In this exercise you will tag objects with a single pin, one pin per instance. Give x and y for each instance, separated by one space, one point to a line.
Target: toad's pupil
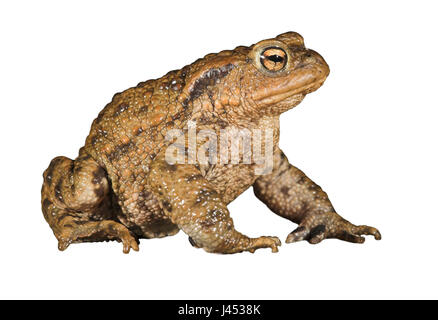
275 58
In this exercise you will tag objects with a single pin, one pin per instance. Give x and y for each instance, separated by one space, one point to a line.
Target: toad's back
131 129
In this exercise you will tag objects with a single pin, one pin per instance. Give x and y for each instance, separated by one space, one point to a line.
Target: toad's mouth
294 93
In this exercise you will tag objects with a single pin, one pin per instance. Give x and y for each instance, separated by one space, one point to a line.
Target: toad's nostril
312 59
311 56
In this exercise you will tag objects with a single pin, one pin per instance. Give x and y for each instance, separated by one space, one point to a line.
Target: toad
123 186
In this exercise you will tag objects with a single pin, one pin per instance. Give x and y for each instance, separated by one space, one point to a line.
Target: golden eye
273 59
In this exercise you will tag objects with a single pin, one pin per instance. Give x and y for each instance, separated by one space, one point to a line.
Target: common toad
123 187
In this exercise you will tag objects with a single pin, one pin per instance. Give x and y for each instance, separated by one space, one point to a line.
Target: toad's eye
273 59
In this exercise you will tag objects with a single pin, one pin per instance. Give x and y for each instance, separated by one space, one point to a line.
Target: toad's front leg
193 204
288 192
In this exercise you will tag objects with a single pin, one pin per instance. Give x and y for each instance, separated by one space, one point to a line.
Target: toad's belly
231 180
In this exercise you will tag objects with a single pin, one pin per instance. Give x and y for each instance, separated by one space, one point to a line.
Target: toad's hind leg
77 205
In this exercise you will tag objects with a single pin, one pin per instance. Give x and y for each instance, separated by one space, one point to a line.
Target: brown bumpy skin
288 192
121 187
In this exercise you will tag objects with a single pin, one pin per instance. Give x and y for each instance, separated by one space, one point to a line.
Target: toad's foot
254 244
265 242
331 226
97 231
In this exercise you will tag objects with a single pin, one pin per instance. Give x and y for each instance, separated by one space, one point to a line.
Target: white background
368 137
